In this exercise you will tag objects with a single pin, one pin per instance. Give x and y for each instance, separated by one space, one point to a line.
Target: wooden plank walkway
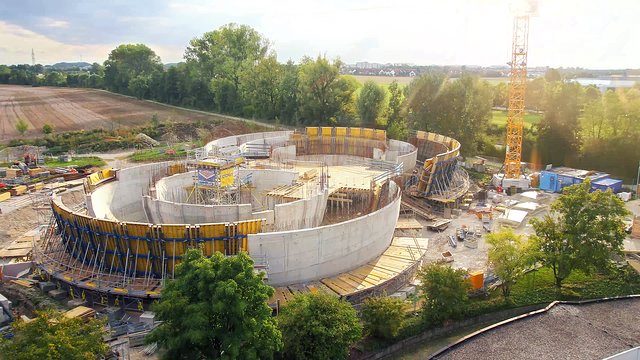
403 253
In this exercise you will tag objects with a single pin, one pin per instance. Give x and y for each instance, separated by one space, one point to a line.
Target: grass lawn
77 161
499 118
157 154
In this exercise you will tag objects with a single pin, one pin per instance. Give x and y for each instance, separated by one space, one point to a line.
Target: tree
216 308
139 86
22 127
261 88
396 99
559 131
582 232
51 335
221 56
444 291
500 95
509 256
552 75
460 108
47 129
127 62
535 94
289 94
370 103
382 317
318 326
324 94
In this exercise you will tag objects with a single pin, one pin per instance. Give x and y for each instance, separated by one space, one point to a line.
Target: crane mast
517 90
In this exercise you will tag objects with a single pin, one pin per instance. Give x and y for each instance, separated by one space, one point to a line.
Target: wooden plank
408 224
15 253
337 286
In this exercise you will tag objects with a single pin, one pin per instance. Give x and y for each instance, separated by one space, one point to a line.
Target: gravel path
592 331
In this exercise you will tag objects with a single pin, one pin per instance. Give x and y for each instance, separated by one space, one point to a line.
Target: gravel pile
592 331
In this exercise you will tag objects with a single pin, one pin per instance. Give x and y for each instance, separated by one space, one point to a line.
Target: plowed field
69 109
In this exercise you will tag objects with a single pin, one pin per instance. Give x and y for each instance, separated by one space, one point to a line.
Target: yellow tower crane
512 174
517 90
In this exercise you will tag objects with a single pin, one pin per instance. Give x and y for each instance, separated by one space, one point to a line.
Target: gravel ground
592 331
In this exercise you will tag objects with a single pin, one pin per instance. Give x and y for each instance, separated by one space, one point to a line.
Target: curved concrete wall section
122 199
311 254
169 212
237 140
173 188
301 214
143 249
402 152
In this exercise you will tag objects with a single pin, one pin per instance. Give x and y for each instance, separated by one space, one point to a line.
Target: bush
318 326
47 129
445 293
382 317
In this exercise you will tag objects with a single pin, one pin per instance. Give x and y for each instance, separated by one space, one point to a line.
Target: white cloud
47 51
53 23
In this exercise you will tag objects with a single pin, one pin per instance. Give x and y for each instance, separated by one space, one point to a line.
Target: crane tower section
517 89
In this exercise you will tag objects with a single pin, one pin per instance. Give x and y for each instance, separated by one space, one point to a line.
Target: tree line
234 70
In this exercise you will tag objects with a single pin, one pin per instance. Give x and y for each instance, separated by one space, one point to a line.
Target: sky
563 33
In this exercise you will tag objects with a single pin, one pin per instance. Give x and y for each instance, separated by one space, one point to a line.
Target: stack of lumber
81 312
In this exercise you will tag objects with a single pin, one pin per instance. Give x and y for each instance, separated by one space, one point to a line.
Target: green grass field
78 161
158 154
499 118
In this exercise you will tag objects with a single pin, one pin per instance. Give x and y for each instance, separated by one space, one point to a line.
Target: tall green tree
459 108
394 111
222 55
323 93
289 94
261 88
534 99
582 232
509 256
444 291
216 308
126 62
51 335
552 75
559 131
370 103
500 94
318 326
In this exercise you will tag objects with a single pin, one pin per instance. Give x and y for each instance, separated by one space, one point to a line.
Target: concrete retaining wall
311 254
168 212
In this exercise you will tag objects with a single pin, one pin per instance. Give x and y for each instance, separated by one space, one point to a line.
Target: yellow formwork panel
341 131
246 228
312 131
380 135
326 131
368 133
211 231
139 247
354 132
174 237
111 231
